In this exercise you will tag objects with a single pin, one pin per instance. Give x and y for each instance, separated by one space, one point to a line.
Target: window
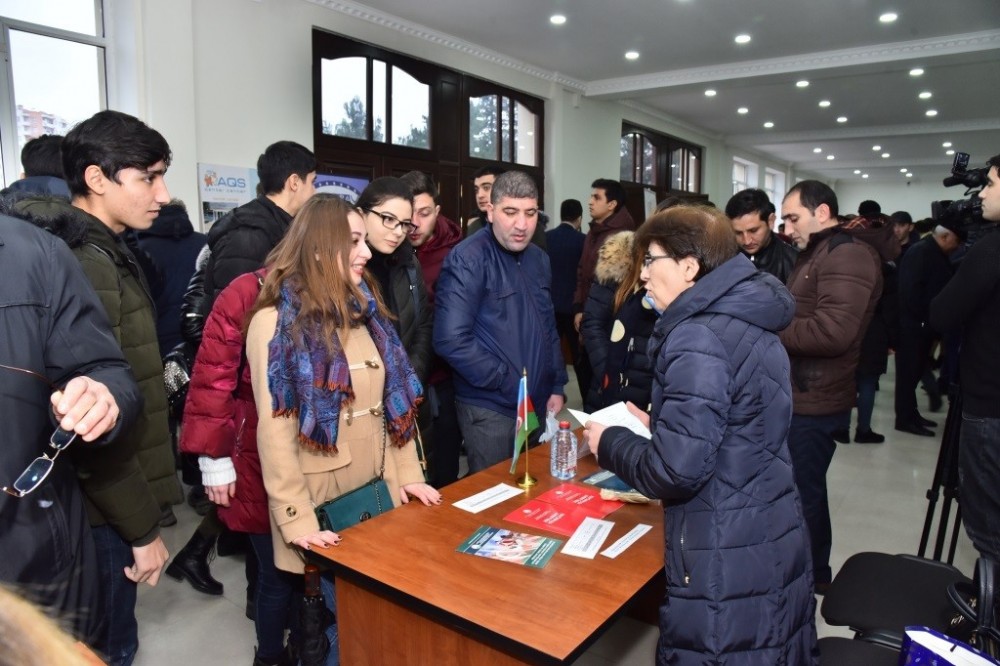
55 66
399 111
774 185
744 174
502 129
659 161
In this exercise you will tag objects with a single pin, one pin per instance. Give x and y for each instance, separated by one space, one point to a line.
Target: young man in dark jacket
46 549
752 214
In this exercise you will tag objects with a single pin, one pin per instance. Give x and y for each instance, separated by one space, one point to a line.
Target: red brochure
563 508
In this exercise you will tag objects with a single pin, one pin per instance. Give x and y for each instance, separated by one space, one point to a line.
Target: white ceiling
687 46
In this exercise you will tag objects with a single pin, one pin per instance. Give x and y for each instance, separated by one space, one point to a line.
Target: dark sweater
970 302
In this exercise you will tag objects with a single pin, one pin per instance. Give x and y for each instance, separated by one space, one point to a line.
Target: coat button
290 512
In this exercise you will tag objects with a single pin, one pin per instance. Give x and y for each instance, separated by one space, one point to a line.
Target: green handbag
358 505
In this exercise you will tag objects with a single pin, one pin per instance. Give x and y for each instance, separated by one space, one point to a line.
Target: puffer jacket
616 341
737 560
494 318
220 416
127 481
401 281
596 235
836 283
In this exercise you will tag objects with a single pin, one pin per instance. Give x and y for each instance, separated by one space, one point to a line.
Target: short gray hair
514 185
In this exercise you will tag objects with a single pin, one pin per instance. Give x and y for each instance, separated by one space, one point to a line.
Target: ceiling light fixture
916 71
903 170
925 95
949 152
876 148
631 55
842 119
885 156
930 113
768 124
888 17
802 84
710 93
857 172
742 110
742 39
824 103
817 150
557 19
909 175
946 144
829 157
864 175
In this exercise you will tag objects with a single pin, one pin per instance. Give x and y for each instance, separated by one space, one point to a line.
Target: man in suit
564 245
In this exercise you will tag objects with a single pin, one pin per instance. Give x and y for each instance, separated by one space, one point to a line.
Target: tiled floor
877 498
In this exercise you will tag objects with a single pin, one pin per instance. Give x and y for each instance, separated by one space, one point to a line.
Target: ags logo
212 179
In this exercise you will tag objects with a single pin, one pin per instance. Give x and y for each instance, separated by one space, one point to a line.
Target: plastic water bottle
562 460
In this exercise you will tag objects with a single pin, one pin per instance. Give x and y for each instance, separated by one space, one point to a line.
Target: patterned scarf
314 383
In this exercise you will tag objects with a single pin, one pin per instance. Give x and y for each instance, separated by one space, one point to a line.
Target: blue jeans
121 640
811 446
275 600
979 482
332 632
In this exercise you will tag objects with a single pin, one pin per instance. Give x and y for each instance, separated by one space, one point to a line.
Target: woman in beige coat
333 385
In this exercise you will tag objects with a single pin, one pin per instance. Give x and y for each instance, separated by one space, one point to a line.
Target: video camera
966 213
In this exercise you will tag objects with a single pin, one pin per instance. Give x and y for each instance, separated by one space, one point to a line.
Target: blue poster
347 187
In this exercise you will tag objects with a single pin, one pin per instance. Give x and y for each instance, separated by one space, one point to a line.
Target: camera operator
971 303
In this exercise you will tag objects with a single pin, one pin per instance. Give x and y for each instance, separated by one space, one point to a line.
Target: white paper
588 538
615 415
489 497
620 546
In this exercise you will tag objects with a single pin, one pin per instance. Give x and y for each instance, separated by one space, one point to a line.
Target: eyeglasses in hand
33 476
390 221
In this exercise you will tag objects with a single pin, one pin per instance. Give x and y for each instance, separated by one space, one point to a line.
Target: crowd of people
331 342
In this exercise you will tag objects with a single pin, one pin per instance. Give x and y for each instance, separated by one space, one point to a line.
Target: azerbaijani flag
527 420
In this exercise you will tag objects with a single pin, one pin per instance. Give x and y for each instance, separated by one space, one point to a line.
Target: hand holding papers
615 415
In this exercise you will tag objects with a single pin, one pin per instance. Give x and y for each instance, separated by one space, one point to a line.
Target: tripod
946 479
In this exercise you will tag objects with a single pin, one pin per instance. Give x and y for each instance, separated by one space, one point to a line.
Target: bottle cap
564 424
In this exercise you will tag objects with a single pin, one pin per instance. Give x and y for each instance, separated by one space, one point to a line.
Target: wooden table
406 596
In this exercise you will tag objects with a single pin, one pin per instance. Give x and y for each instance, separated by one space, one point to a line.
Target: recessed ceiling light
916 71
768 124
864 175
817 150
710 93
857 172
842 119
876 148
930 113
557 19
925 94
903 170
802 84
946 144
888 17
742 39
824 103
829 157
631 55
885 156
742 110
909 175
949 152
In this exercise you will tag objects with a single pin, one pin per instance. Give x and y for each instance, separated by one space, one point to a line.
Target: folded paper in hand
615 415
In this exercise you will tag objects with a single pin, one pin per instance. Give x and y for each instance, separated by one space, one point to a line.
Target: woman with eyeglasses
387 208
336 395
736 544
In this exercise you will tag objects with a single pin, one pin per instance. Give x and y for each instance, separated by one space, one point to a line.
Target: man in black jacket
54 326
752 215
241 240
970 302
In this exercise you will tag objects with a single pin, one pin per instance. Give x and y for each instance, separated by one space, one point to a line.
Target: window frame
665 145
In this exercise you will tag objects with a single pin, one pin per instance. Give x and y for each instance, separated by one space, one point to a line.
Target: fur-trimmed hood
613 258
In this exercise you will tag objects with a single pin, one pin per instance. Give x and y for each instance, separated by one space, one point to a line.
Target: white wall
914 198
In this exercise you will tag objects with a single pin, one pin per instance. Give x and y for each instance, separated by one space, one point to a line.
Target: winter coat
240 242
45 185
737 559
174 245
564 245
220 416
596 235
53 324
127 481
401 282
776 258
431 254
493 320
192 315
616 341
883 330
836 283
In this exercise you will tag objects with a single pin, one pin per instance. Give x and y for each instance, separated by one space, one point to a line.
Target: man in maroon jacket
433 236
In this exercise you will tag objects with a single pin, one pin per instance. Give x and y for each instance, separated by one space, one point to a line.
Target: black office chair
837 651
878 593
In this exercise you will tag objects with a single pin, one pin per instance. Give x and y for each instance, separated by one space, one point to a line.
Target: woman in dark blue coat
738 569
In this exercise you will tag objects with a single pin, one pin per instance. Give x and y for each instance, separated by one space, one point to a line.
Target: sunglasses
36 472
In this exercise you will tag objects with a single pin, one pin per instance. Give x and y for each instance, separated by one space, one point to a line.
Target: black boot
192 563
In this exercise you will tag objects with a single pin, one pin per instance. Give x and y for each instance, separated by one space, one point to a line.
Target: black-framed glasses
648 260
390 221
36 472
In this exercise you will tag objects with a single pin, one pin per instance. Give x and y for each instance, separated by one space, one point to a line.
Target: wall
914 198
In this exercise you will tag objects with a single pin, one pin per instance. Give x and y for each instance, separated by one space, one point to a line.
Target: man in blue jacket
495 319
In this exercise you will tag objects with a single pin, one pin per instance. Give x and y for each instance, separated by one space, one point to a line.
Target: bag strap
421 456
986 573
381 471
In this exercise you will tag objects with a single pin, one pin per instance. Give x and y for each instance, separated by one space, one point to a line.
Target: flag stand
526 481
